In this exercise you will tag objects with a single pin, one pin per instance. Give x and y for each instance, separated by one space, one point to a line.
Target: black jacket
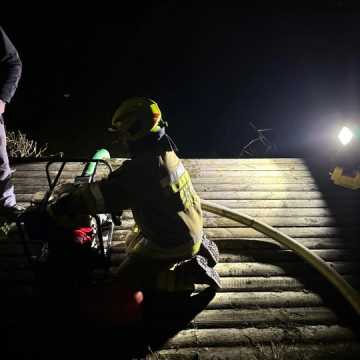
10 67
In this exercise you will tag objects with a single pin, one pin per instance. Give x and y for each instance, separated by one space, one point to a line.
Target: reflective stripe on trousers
137 244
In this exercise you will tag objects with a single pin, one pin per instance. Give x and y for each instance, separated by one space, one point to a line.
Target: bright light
345 135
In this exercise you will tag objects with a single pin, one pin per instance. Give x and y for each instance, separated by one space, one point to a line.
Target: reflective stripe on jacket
159 191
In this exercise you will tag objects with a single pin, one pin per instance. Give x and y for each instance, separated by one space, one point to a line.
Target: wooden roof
272 305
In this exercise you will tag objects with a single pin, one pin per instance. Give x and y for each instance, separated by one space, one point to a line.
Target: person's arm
86 199
110 195
10 70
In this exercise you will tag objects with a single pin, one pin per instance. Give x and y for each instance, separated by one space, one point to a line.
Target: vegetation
20 146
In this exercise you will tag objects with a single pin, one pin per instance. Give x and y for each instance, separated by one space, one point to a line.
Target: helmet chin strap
161 133
156 141
171 143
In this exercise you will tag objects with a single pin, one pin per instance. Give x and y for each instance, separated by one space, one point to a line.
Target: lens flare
345 135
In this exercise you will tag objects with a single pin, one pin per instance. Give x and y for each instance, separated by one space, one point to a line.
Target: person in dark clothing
10 73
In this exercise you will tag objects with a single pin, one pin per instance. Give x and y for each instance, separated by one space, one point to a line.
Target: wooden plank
254 282
268 195
294 232
28 188
212 222
266 243
238 180
246 162
66 174
272 283
278 203
261 213
253 210
232 251
248 317
250 173
290 231
241 179
234 166
232 195
249 336
269 255
202 162
279 269
267 212
255 262
256 243
285 212
31 181
319 351
275 212
265 204
252 299
196 173
225 270
273 221
217 164
240 166
274 204
255 187
72 166
24 198
226 244
245 232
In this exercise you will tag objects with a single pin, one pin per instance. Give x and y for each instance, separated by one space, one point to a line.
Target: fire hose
349 293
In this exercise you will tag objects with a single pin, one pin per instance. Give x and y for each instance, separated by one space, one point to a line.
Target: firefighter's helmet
137 117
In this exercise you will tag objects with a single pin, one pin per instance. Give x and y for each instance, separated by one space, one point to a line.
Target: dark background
212 69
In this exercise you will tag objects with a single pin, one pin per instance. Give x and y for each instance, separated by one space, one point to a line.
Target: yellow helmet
137 117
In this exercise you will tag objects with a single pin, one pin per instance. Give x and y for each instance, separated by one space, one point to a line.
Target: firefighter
167 246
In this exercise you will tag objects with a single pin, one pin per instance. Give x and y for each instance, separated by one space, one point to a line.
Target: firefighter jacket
158 190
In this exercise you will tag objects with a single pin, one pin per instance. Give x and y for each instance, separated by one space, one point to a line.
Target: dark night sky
212 71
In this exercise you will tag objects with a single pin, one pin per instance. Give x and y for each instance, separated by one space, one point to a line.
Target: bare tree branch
249 148
19 146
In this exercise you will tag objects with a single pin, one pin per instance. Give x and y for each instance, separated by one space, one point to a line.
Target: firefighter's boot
209 251
197 271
